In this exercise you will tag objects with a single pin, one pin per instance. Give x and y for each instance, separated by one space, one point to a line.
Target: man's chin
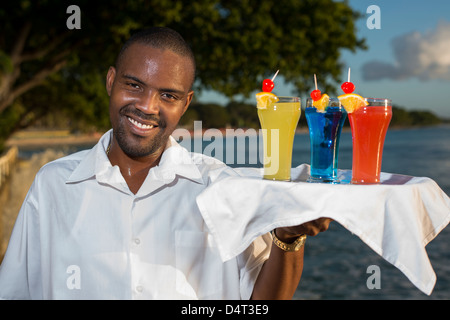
135 146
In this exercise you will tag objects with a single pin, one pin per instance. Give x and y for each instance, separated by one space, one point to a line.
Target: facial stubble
136 146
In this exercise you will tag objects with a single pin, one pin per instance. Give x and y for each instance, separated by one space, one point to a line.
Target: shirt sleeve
19 271
251 262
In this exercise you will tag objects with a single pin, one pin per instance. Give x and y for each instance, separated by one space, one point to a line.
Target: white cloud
425 56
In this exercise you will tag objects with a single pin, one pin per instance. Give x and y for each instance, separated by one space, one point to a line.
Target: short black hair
160 38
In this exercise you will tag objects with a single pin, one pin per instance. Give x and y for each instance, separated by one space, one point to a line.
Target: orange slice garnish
322 103
263 99
352 101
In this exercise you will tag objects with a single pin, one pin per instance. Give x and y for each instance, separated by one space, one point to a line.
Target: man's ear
110 79
188 100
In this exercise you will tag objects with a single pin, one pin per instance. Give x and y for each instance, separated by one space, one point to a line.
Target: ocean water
336 261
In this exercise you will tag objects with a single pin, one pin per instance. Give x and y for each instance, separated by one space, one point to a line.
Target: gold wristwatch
294 246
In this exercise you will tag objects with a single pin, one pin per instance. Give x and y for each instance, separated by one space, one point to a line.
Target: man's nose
149 103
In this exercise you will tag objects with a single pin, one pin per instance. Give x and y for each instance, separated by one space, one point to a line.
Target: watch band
294 246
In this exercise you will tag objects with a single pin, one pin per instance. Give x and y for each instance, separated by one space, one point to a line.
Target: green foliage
249 40
8 120
401 117
5 63
243 115
424 118
211 115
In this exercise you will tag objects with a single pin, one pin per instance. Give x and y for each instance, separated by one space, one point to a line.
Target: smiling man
149 89
120 221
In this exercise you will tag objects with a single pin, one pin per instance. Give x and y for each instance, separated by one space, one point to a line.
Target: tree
211 115
424 118
400 117
243 115
45 66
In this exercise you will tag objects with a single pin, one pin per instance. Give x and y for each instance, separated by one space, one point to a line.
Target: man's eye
169 96
133 85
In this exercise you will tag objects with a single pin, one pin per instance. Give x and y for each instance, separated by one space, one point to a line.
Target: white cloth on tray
396 218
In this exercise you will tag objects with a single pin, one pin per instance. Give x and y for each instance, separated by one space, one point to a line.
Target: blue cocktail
324 133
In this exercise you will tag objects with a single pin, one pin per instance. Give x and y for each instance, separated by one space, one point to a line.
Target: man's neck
134 170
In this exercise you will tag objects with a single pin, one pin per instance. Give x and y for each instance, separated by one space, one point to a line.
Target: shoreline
51 138
29 138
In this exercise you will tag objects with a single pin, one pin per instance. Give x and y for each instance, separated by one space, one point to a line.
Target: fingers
311 228
324 223
317 226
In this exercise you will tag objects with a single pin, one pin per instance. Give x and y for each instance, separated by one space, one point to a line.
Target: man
120 221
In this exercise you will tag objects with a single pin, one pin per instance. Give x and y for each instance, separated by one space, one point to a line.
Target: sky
408 55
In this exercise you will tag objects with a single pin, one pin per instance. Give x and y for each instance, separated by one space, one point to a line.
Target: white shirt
82 234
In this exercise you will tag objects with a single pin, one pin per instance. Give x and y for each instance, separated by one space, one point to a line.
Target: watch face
299 242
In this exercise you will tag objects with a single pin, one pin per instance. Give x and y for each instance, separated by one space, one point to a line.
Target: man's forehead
149 60
143 52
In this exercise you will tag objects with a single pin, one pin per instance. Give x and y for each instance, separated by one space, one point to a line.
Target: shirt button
137 241
139 289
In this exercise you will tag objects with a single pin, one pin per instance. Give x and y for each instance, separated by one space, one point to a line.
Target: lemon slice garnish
322 103
352 101
263 99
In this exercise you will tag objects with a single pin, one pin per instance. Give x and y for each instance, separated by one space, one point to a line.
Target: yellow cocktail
278 122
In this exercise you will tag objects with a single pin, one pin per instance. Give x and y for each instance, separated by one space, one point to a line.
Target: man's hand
311 228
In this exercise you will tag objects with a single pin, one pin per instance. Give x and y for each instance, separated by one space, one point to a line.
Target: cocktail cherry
268 84
348 87
315 94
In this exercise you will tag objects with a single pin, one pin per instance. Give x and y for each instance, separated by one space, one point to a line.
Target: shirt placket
137 285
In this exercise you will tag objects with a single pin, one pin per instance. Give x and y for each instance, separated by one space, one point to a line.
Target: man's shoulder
63 166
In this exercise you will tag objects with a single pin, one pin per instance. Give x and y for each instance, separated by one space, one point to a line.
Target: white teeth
140 125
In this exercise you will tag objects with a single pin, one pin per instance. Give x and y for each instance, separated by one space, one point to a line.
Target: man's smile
141 125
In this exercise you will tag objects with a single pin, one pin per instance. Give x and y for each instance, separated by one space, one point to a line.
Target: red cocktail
369 125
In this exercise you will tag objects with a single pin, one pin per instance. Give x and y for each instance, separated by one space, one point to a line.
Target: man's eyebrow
169 90
127 76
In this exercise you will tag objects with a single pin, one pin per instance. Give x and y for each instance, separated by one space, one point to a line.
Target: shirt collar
175 161
94 162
